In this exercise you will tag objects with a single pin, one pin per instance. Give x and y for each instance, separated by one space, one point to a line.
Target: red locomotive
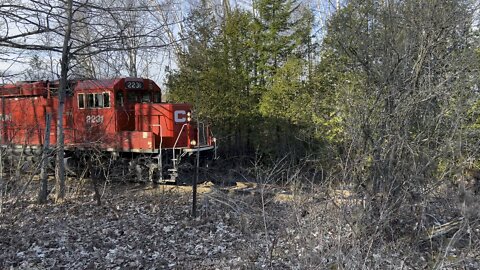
124 118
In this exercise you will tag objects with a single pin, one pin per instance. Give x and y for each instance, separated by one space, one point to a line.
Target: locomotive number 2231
94 119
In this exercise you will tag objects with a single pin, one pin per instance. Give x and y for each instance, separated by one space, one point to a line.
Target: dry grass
247 226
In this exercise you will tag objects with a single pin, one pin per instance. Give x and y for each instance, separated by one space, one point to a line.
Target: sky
14 70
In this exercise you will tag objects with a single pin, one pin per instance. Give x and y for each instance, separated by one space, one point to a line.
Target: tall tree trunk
132 63
42 195
2 186
60 181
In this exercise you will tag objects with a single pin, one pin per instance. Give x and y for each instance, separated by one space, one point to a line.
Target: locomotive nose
170 123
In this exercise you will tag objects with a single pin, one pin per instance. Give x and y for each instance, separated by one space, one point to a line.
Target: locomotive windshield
143 97
138 97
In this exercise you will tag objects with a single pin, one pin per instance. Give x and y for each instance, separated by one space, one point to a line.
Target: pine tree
234 63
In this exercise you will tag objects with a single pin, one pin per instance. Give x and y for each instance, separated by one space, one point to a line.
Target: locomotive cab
139 108
164 128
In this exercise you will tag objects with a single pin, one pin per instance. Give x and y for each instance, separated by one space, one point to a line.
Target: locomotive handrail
214 145
174 158
159 160
203 133
161 137
178 137
160 169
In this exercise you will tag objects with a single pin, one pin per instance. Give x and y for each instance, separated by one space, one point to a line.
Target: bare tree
60 183
405 111
84 31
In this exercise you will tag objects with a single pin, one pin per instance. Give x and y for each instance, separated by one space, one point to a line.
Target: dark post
197 163
195 180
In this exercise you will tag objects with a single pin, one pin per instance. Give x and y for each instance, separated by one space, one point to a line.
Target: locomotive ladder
159 157
174 170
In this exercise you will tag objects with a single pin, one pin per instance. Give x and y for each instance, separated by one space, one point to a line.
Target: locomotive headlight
189 116
193 142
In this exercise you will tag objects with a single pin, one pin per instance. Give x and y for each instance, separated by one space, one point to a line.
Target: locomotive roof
105 83
89 84
29 88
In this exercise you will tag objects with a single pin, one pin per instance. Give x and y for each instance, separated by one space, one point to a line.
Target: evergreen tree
216 66
241 68
281 30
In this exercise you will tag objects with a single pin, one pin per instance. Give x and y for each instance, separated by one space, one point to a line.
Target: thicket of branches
406 118
386 98
385 104
82 39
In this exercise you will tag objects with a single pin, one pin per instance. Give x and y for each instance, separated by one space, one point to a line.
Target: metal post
195 180
197 163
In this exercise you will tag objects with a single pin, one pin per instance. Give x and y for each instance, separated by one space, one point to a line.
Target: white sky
322 10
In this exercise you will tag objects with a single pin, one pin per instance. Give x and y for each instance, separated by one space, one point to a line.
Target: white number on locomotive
134 85
94 119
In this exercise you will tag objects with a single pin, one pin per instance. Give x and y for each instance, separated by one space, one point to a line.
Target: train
124 119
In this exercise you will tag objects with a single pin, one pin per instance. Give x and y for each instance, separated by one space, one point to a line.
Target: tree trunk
2 128
42 195
60 181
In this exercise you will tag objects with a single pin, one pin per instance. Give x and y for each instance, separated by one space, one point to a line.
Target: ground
247 226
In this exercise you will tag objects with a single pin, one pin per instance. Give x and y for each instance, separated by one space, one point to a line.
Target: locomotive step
167 181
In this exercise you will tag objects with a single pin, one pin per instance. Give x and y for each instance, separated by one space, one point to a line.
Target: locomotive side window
81 101
106 100
100 100
90 101
119 99
157 97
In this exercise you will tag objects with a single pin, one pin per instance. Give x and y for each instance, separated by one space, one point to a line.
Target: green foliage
288 98
238 71
281 30
411 68
333 82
